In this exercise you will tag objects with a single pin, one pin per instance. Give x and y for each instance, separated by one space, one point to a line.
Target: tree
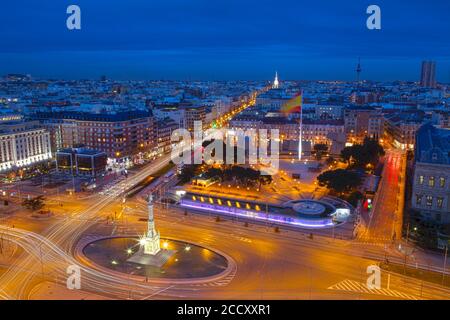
320 149
188 172
354 197
339 180
265 179
243 175
329 161
346 154
34 204
214 172
364 155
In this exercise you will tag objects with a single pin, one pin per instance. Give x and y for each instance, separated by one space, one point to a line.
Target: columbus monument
150 252
151 241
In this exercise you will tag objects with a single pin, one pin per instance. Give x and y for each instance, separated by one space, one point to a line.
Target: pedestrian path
359 287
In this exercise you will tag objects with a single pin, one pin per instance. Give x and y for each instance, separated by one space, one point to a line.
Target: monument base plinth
157 260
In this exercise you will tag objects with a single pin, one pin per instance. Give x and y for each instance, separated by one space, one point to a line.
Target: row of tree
363 156
243 175
339 180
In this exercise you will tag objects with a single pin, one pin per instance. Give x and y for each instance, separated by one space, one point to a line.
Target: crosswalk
240 238
369 243
359 287
219 283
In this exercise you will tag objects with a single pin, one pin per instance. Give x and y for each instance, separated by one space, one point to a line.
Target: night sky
224 39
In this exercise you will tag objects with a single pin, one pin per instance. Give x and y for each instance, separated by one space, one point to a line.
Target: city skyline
227 41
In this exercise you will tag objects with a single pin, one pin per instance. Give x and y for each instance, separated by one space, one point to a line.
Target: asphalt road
387 214
270 265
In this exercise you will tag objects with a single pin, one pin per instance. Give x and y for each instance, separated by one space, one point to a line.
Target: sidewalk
421 258
52 291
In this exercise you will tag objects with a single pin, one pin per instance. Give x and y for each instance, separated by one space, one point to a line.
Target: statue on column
152 245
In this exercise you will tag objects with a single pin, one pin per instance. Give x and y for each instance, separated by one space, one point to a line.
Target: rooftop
86 116
81 151
433 145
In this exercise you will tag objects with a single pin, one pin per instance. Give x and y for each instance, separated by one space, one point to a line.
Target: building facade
362 122
401 128
119 135
192 114
81 162
164 129
428 74
23 144
319 131
327 112
431 182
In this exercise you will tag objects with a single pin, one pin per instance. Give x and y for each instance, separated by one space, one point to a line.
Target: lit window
440 202
420 179
429 201
442 182
418 199
431 182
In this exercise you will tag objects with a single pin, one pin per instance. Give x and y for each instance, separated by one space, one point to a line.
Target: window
431 182
442 182
420 179
440 201
429 201
418 199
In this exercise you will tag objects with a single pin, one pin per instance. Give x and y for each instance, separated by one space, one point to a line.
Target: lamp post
445 264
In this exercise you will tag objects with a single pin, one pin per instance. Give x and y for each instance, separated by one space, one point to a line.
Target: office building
23 144
81 162
428 74
431 181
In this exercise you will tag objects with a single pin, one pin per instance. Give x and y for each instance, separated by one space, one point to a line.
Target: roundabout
188 261
153 259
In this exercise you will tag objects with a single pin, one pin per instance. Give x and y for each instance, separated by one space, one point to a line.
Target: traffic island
176 260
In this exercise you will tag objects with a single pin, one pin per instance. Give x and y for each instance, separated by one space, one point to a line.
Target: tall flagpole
300 147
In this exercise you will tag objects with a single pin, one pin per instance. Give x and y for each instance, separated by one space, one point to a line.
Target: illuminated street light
142 241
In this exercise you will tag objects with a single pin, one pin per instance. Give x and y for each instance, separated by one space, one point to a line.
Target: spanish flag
293 105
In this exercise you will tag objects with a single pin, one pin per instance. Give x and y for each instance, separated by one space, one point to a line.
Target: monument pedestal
150 253
156 260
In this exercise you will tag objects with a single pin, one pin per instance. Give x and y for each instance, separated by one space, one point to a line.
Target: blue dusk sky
224 39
